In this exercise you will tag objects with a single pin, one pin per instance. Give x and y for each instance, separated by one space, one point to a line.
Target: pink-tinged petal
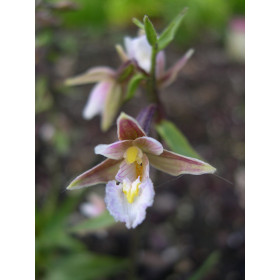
146 168
129 128
132 214
148 145
134 170
127 171
172 73
96 100
115 150
102 173
111 107
94 208
93 75
175 164
160 64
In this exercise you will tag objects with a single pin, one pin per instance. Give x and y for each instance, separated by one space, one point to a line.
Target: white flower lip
132 214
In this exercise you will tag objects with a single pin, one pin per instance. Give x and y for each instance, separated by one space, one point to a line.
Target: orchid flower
94 207
105 97
139 49
129 189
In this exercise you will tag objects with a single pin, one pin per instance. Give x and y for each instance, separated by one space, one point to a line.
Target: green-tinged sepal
169 32
150 31
101 173
176 164
123 56
112 105
93 75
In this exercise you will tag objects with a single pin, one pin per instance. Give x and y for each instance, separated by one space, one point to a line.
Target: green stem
152 84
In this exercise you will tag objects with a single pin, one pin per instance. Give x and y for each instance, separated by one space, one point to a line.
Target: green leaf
175 140
132 86
150 31
169 32
57 239
85 266
138 23
51 222
101 222
206 267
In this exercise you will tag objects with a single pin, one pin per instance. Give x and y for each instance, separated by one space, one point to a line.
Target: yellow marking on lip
131 191
133 154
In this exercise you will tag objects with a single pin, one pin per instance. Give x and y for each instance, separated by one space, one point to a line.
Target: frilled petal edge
132 214
128 128
175 164
102 173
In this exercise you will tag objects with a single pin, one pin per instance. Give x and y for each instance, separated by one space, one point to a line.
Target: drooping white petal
140 50
128 43
96 99
132 214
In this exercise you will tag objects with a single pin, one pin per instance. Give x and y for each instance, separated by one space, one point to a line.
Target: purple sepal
145 117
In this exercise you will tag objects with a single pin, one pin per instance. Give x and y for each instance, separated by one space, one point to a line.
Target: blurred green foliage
101 222
61 256
204 270
85 266
44 99
202 14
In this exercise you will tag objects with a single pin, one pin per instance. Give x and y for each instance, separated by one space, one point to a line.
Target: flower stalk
126 171
152 89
